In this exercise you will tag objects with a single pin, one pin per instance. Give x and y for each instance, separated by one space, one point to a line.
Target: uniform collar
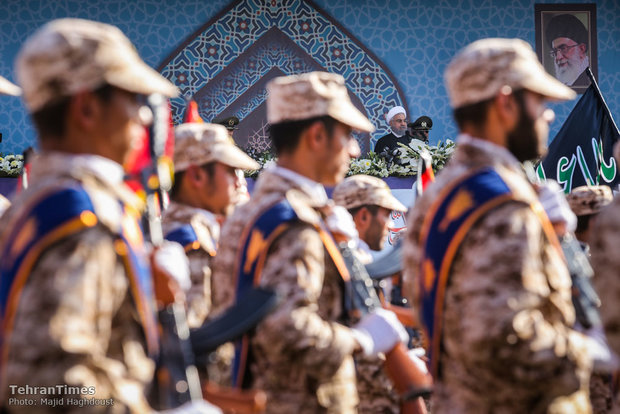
105 169
315 190
500 153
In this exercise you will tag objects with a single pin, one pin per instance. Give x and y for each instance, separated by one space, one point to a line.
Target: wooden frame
586 14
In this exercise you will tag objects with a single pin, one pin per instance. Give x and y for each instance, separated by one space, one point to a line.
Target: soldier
603 239
205 185
482 262
205 163
230 123
243 196
7 88
77 295
419 128
370 202
301 354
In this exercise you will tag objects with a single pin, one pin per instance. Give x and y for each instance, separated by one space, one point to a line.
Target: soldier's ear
84 110
195 175
315 135
506 108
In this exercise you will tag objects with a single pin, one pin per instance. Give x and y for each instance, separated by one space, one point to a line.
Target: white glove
554 202
170 257
603 360
195 407
340 221
379 331
415 355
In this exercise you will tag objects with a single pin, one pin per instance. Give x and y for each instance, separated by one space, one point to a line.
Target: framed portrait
566 42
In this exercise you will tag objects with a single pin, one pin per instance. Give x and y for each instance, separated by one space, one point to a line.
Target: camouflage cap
585 199
198 144
359 190
313 94
67 56
8 88
483 68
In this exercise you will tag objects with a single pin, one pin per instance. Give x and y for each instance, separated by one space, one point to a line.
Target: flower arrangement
404 163
11 165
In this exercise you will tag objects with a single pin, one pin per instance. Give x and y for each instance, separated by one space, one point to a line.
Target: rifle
240 318
180 373
585 299
182 349
360 298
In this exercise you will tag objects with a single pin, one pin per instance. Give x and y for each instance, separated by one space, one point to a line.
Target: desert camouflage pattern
310 95
376 393
360 189
67 56
76 322
302 350
601 395
481 69
586 199
508 346
201 143
207 230
605 260
375 390
198 296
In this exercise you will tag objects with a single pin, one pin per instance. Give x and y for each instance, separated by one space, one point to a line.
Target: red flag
140 157
191 113
425 171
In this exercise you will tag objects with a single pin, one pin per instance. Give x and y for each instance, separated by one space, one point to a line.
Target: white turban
395 111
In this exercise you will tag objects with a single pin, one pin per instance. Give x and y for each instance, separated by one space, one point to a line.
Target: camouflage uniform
198 144
198 297
507 345
587 201
604 238
76 322
376 392
208 232
302 352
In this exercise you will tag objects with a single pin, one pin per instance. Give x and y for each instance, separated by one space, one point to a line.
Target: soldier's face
528 140
378 229
340 148
220 189
122 123
399 124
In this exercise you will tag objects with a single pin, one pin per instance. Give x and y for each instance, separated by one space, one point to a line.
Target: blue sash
449 219
255 242
185 236
56 216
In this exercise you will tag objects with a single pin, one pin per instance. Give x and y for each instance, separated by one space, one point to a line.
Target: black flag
582 152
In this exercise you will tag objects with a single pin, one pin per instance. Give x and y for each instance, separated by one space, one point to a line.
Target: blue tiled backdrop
412 40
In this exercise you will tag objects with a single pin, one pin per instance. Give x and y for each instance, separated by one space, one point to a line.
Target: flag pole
600 95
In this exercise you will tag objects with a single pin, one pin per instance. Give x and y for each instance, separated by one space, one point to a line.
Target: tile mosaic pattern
414 39
300 39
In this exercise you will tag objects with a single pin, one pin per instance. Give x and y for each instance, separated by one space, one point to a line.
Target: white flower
417 145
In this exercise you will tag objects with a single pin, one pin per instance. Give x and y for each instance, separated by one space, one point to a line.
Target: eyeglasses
563 49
